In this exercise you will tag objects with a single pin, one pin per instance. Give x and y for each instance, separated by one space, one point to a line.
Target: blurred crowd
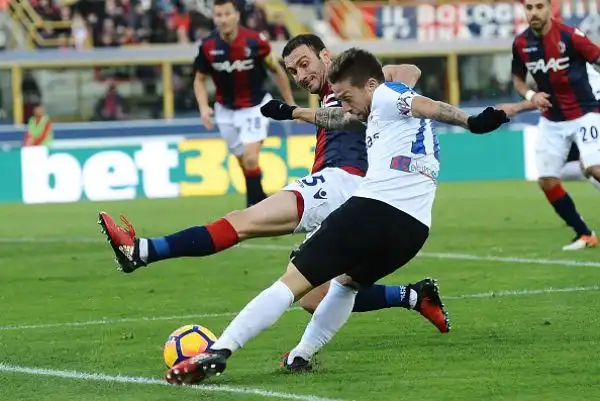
110 23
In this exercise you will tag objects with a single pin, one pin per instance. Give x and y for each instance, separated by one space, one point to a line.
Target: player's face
355 99
226 18
537 13
307 68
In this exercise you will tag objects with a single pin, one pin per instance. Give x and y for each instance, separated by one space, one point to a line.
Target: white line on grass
491 294
100 377
287 248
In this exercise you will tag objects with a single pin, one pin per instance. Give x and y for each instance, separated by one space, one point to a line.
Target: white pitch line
288 248
100 377
508 293
491 294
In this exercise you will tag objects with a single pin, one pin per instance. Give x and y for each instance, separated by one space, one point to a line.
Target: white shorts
242 126
323 192
555 138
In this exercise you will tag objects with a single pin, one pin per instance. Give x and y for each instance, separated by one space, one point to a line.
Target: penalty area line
101 377
481 295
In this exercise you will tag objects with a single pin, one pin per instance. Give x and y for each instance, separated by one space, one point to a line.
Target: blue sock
193 241
379 297
565 207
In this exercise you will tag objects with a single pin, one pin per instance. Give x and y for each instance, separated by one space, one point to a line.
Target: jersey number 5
418 145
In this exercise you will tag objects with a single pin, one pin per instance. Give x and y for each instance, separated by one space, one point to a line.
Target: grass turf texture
55 268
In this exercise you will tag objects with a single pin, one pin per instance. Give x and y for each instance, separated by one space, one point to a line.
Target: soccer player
378 230
573 169
238 59
556 56
340 165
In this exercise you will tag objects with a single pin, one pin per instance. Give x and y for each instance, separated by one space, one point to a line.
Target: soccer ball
186 342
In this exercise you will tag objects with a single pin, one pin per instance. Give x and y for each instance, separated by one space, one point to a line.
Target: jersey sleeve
201 63
265 53
399 96
519 68
584 46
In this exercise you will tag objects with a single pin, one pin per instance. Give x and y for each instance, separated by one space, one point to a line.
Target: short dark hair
357 64
223 2
308 39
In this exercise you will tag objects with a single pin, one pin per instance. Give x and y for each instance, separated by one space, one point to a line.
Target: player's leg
551 152
326 258
377 260
254 128
276 215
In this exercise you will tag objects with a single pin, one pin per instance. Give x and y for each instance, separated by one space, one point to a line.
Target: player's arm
519 74
201 69
409 103
512 109
406 73
279 75
333 118
584 46
328 117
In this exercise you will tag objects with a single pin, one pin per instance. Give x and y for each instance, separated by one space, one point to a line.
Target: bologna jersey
238 69
557 61
345 150
403 154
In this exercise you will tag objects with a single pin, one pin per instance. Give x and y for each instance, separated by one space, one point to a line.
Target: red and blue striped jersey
238 68
345 150
557 62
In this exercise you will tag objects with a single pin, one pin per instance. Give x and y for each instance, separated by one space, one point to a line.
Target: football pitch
524 314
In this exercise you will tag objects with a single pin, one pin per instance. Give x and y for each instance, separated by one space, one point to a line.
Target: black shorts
573 153
364 238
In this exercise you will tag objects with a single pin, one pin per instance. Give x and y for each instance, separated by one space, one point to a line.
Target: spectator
39 128
278 30
112 106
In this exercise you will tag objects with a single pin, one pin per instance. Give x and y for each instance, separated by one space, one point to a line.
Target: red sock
223 234
555 193
253 173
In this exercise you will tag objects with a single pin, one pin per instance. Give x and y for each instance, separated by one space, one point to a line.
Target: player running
556 55
340 165
237 59
378 230
573 169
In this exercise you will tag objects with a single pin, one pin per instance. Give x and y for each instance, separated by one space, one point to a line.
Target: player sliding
556 56
378 230
339 167
237 59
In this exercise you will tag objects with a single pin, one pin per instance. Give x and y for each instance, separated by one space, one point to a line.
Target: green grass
519 347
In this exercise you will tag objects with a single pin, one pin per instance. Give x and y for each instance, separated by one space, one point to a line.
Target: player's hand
277 110
206 116
487 121
540 100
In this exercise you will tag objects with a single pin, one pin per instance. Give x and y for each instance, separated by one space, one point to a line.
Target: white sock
571 171
594 182
143 248
331 314
260 314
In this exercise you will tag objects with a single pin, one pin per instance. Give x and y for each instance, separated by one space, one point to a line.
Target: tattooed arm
329 117
423 107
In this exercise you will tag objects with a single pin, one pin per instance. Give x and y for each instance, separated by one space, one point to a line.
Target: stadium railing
25 16
426 54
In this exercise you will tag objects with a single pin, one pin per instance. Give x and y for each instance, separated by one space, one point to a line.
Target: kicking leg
276 215
258 315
